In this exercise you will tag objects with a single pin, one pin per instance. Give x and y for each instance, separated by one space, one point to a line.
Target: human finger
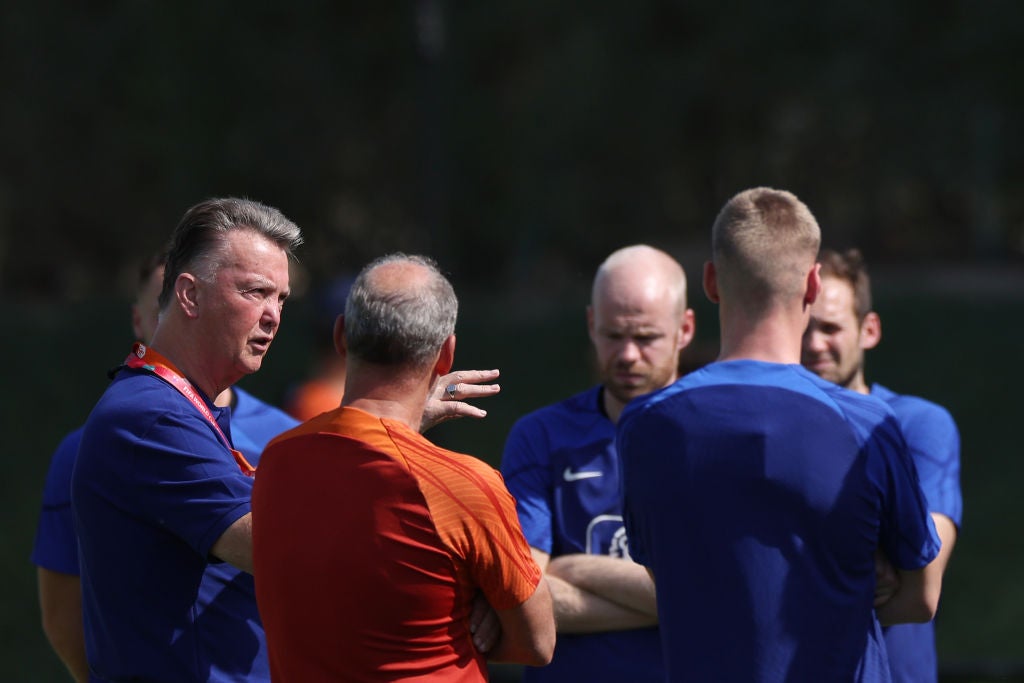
468 384
484 624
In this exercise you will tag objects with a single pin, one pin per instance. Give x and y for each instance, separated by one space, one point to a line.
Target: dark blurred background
519 143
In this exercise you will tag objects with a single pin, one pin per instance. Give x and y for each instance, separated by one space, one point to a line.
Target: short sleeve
526 469
908 534
187 481
56 546
502 566
934 442
634 531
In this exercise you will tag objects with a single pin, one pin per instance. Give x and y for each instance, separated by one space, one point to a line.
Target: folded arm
914 594
593 593
235 545
527 631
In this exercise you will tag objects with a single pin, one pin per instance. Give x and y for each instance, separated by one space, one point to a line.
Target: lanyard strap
142 358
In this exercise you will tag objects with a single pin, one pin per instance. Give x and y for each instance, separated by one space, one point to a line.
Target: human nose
630 351
272 313
815 341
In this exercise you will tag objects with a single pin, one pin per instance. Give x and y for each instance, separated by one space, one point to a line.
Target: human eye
647 338
255 292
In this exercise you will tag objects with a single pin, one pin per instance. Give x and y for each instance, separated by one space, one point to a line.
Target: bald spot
635 275
399 277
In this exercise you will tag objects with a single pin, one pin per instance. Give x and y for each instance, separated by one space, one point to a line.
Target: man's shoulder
723 380
137 392
581 405
67 449
561 423
909 407
249 409
140 409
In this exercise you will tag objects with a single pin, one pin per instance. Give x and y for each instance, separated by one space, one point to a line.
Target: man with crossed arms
561 464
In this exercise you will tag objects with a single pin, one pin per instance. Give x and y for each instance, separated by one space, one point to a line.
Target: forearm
917 596
527 634
60 601
580 611
235 545
615 580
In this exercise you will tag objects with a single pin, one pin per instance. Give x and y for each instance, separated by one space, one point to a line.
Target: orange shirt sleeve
475 515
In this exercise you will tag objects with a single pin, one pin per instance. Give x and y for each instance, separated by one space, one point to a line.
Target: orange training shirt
369 545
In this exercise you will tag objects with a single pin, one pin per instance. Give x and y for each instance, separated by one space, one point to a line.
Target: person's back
376 551
409 552
777 493
758 494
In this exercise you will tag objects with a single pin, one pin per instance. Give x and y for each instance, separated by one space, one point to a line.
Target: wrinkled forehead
250 250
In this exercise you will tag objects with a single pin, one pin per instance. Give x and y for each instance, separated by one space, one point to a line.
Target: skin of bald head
764 242
638 322
397 336
399 312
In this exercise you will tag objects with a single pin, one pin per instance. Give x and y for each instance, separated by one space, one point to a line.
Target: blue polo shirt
934 443
758 493
561 465
153 488
253 424
56 547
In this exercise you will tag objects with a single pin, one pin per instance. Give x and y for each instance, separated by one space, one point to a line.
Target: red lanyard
142 358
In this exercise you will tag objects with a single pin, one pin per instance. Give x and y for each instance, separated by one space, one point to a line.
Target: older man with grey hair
372 545
160 495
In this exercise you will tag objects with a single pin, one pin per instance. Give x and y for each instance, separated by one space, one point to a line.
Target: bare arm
60 602
916 597
578 610
235 545
469 384
527 630
621 581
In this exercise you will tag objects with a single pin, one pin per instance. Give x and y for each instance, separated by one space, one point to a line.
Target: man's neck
190 362
613 407
858 384
774 336
387 392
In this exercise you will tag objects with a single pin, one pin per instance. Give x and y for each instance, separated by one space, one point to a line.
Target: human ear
870 331
710 282
186 293
339 336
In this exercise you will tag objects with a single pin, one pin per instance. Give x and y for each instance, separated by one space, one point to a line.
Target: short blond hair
764 242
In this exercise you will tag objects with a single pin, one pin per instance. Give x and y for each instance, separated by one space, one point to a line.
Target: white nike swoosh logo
576 476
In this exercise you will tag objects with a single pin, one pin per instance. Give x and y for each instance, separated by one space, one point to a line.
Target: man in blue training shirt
253 424
842 327
561 465
757 493
160 495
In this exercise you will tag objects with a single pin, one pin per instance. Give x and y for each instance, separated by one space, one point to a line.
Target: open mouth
261 345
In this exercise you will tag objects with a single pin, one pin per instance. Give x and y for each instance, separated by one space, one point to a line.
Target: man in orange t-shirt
371 544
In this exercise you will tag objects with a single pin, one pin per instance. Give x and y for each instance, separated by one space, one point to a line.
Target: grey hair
196 241
401 324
